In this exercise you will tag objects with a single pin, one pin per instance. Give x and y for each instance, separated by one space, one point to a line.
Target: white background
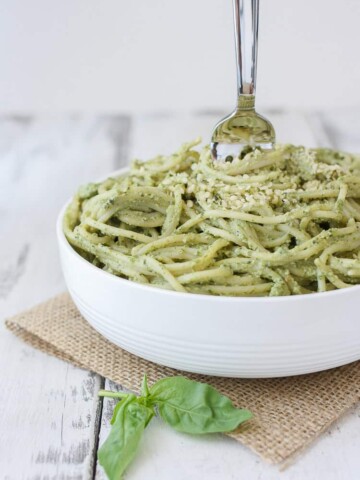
145 55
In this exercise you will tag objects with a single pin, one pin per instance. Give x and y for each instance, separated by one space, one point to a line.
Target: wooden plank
49 411
49 416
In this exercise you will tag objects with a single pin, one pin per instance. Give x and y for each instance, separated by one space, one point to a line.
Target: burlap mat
289 412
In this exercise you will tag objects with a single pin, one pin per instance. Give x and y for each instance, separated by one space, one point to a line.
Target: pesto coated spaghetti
283 222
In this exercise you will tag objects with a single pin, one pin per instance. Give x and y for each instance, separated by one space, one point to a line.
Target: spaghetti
282 222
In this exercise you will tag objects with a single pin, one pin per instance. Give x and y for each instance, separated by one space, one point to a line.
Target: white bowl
224 336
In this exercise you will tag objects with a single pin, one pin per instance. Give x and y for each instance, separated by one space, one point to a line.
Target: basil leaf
194 407
121 445
115 412
144 387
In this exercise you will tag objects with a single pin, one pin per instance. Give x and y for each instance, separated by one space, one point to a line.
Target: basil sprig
186 405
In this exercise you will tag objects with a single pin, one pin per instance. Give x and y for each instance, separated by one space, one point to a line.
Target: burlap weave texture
289 412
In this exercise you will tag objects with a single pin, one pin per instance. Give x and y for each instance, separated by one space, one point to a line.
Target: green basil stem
106 393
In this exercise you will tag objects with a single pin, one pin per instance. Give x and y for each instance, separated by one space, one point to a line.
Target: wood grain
49 411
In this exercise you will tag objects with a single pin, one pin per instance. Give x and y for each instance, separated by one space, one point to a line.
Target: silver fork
243 129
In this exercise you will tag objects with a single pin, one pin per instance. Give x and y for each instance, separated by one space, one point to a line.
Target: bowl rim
63 243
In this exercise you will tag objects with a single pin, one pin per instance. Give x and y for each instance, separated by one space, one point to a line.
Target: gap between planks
120 129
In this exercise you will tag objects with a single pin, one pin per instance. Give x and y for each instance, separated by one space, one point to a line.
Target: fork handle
246 21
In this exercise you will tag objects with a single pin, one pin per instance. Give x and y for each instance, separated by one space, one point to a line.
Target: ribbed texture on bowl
242 361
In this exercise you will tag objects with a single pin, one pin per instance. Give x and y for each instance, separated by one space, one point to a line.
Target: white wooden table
51 420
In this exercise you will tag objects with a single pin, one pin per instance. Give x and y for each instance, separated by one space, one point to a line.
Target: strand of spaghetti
105 186
317 214
277 242
192 222
303 270
117 232
181 239
220 233
248 163
246 166
278 259
113 201
339 204
350 178
315 194
354 208
205 275
173 214
137 218
344 246
294 286
153 233
201 262
72 215
230 290
164 165
330 275
295 232
261 178
254 267
178 253
303 251
284 218
93 237
244 280
321 280
120 248
345 266
116 260
247 234
158 268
